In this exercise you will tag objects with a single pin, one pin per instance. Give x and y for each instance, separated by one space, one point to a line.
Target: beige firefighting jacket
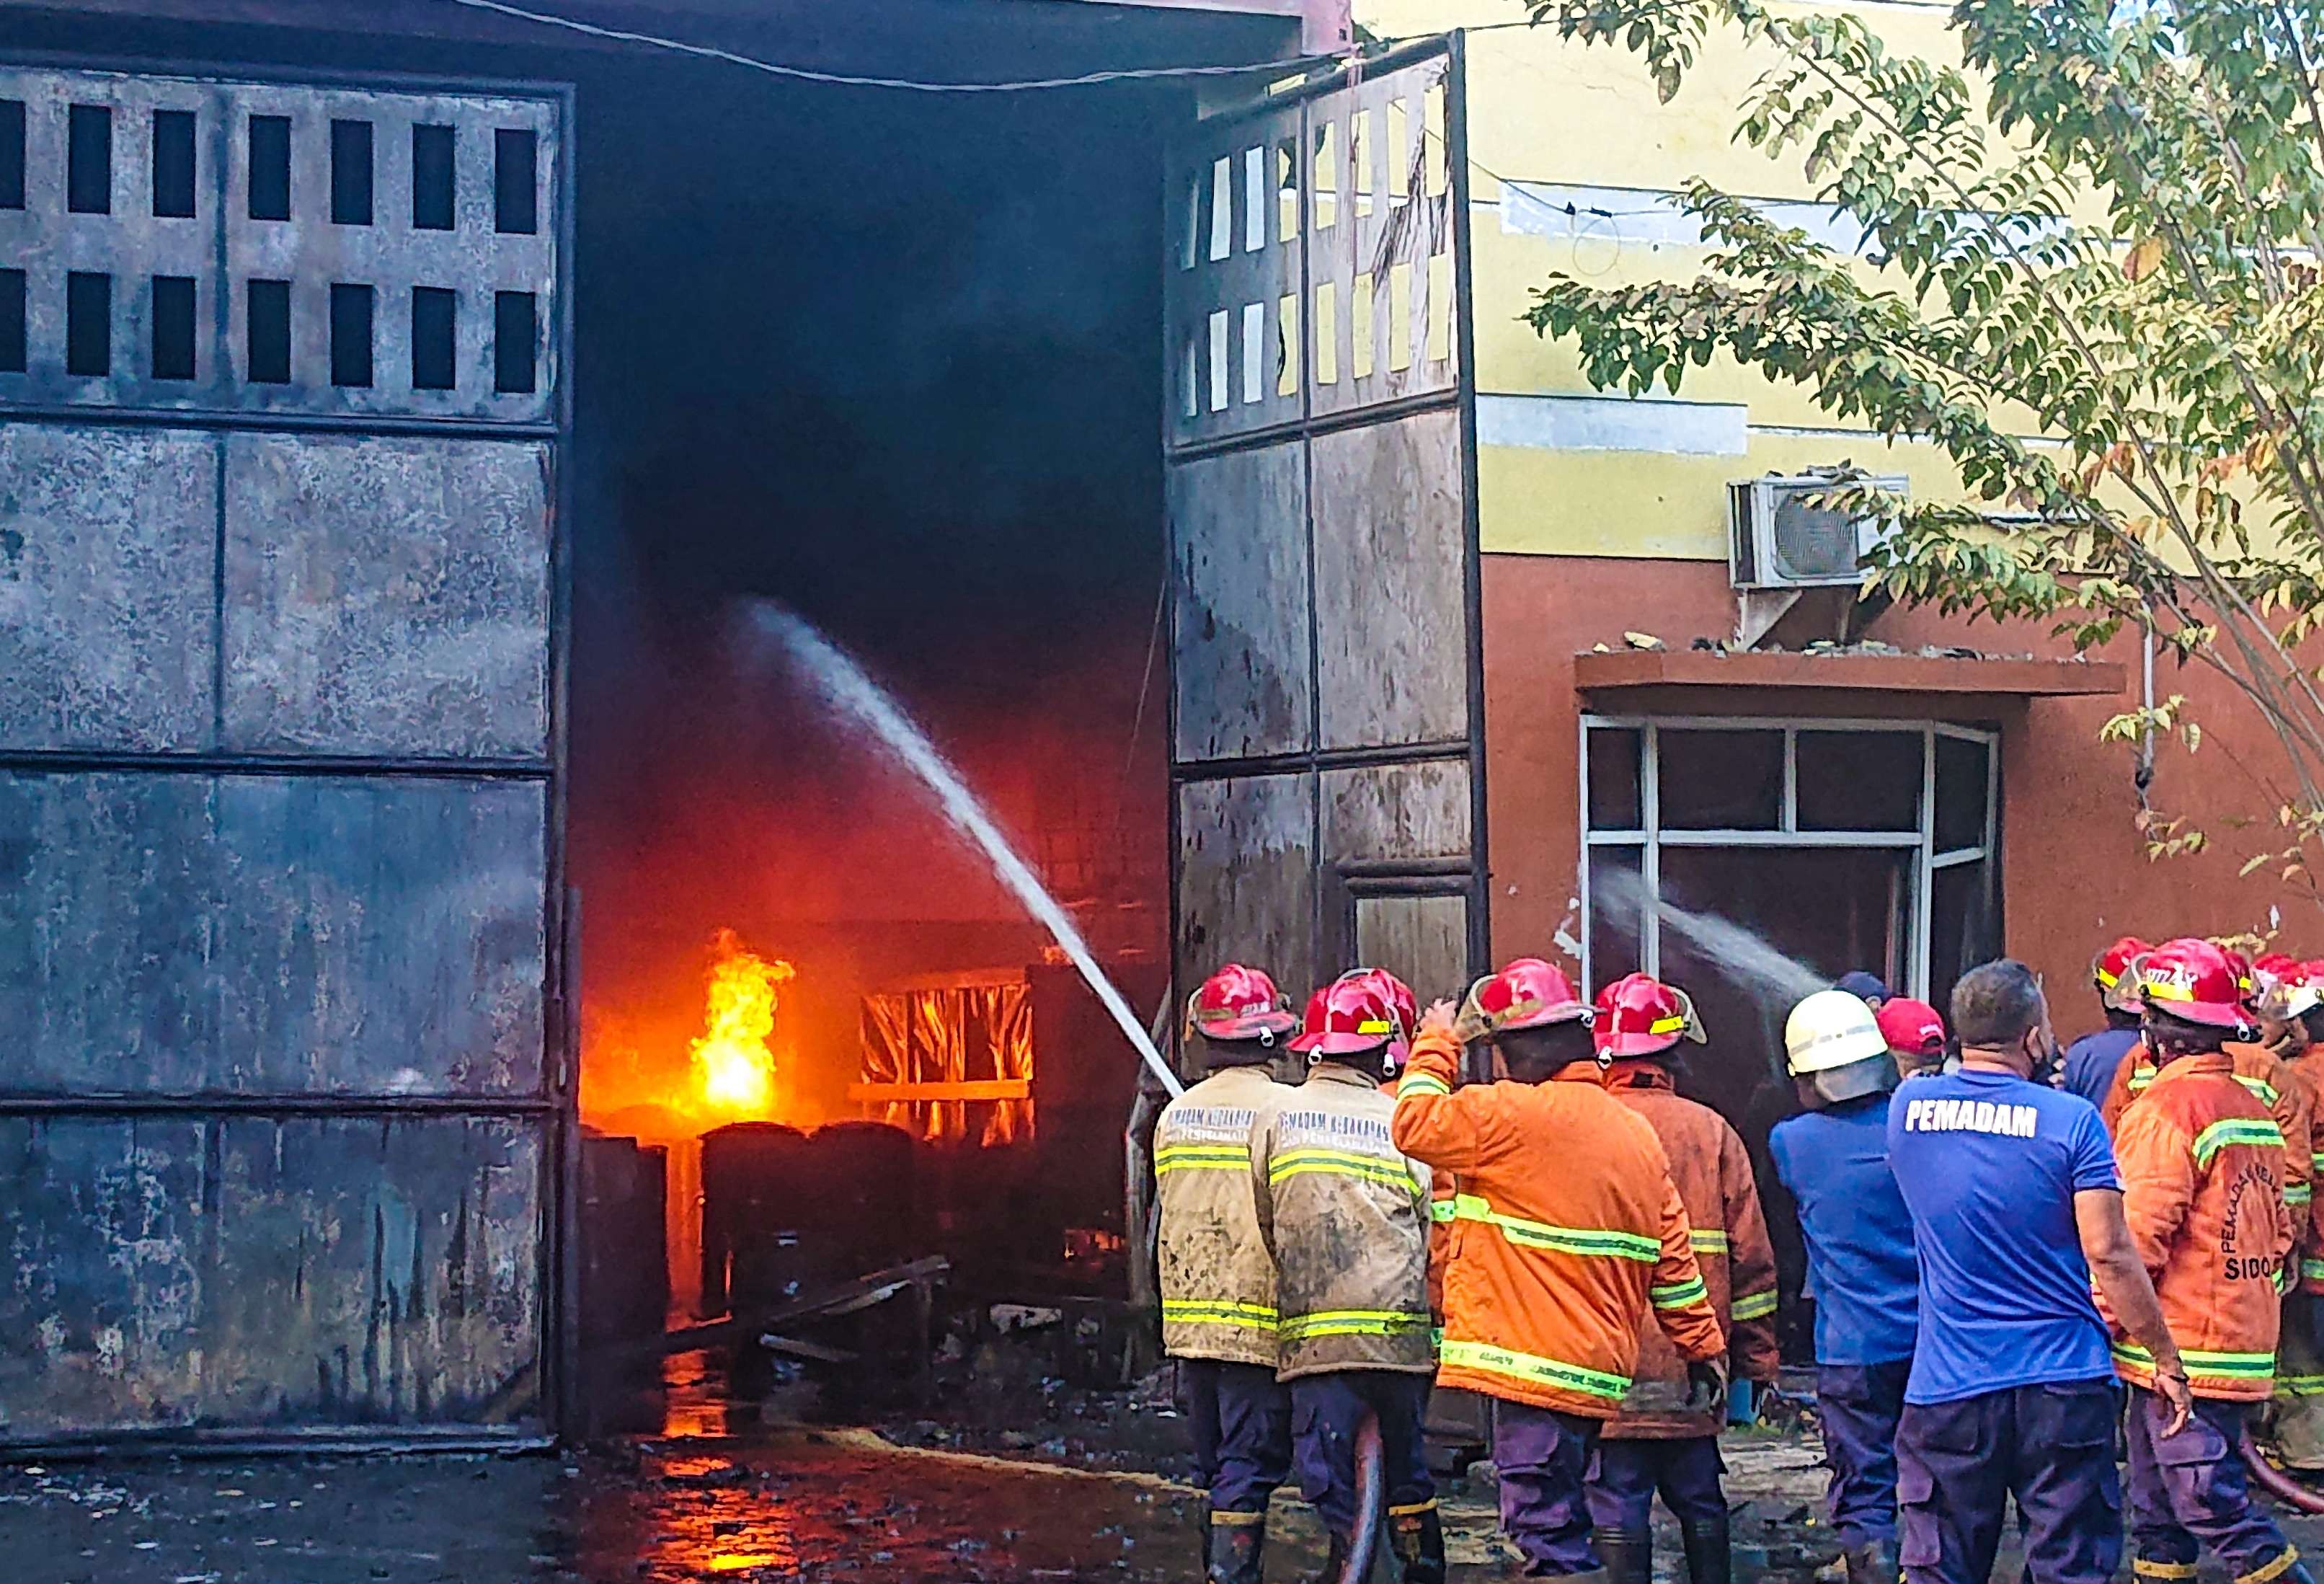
1346 1216
1216 1275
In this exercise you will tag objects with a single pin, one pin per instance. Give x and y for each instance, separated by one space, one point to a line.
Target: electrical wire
850 79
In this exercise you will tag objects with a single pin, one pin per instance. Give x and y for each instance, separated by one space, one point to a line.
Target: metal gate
284 1090
1327 726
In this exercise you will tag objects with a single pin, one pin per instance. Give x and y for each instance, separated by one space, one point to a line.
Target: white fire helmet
1833 1043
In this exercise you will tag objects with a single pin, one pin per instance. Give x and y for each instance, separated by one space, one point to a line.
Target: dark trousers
1241 1416
1327 1411
1625 1475
2190 1491
1858 1405
1542 1458
2051 1447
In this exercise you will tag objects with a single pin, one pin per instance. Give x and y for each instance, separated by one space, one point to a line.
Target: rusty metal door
1327 700
284 1084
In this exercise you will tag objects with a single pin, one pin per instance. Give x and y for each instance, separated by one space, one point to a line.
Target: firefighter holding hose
1345 1215
1568 1234
2201 1164
1216 1277
1660 1441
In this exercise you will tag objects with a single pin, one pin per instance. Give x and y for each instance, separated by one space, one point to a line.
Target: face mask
2049 1062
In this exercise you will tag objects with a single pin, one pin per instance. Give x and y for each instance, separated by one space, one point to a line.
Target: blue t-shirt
2092 1061
1990 1165
1861 1272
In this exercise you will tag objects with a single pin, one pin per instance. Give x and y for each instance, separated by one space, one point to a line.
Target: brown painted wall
2075 873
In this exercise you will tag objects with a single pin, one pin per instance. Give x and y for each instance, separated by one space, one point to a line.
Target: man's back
1988 1165
1862 1271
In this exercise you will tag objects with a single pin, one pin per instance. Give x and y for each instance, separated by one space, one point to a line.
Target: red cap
1238 1003
2192 980
1640 1016
1912 1028
1353 1013
1529 993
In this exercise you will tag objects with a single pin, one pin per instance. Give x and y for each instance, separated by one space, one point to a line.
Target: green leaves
2092 275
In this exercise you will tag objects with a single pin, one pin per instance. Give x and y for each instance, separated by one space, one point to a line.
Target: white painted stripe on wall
1613 424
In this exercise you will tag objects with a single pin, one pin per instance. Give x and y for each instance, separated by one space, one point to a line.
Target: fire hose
2276 1482
1371 1503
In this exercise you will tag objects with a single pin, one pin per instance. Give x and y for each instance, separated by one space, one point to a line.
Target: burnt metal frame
1471 877
558 1104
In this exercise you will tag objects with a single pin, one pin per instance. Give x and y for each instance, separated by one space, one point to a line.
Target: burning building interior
887 360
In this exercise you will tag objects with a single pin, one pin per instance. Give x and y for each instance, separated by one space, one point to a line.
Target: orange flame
733 1068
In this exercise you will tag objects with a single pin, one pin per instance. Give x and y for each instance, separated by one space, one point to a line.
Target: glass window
1616 890
1860 781
1962 784
1721 780
1614 755
1964 925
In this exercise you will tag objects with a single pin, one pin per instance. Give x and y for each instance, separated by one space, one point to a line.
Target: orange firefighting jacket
1567 1233
2308 1068
1216 1276
2202 1187
1346 1216
2289 1100
1712 1170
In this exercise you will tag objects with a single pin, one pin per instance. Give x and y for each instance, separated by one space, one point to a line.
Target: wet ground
718 1496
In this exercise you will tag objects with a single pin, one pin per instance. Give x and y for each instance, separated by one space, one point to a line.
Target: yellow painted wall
1545 112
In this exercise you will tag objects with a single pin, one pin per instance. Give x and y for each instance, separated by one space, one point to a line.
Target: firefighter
2091 1061
1862 1275
2201 1164
1656 1442
2292 1024
1216 1276
2018 1217
2289 1100
1915 1034
1568 1233
1346 1217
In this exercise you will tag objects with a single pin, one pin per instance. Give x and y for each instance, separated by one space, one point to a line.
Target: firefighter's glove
1706 1386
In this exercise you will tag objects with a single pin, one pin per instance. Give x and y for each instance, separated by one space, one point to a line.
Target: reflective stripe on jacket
1567 1234
2288 1098
1346 1216
2202 1170
1216 1277
1712 1170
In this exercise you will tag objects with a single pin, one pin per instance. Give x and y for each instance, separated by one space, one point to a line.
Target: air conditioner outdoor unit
1780 537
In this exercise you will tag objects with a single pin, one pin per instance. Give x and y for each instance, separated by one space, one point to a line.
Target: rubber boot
1417 1539
1628 1554
1708 1560
1235 1552
1873 1563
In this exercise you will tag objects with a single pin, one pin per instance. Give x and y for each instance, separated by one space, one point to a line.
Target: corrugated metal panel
285 1117
1324 560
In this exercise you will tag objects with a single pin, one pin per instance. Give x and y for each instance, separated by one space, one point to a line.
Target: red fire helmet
2280 988
2117 986
1238 1003
2192 980
1912 1028
2241 963
1639 1015
1528 994
1355 1013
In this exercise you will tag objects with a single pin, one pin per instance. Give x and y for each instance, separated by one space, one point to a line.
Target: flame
733 1068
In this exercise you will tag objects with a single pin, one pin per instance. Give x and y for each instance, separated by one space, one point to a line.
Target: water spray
850 691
